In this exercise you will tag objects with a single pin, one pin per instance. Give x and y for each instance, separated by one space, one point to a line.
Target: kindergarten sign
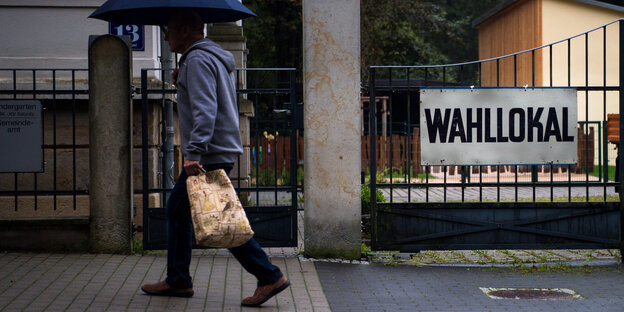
21 136
498 126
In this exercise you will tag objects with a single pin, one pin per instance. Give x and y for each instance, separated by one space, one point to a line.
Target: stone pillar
110 145
331 39
230 37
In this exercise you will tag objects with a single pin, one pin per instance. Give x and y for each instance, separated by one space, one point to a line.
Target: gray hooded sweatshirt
207 107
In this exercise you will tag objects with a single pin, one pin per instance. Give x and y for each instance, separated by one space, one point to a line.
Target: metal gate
53 203
539 206
265 176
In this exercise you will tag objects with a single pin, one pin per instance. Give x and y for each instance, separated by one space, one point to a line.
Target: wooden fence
274 152
396 151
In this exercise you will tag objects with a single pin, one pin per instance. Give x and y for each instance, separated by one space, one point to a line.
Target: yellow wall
528 24
566 18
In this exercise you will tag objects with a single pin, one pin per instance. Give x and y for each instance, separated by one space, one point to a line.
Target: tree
274 38
462 14
393 32
396 32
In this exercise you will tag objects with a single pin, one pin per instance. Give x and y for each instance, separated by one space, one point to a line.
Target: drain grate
531 293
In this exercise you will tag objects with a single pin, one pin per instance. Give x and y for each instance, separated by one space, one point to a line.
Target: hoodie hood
210 46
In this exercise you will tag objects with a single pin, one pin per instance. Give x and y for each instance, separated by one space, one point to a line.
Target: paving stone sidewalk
390 281
102 282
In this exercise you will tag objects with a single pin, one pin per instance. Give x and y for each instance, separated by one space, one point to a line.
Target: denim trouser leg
180 241
179 236
256 262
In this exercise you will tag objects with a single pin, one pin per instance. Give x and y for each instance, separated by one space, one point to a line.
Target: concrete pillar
230 37
331 38
110 145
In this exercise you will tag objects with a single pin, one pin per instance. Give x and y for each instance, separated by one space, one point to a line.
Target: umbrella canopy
158 12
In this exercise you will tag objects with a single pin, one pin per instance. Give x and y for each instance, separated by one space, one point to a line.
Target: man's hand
174 77
192 167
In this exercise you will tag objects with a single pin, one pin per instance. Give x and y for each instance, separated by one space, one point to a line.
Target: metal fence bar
373 159
274 142
238 104
15 174
54 146
145 154
587 115
35 175
605 141
621 145
74 174
293 148
408 139
480 181
569 62
257 126
390 157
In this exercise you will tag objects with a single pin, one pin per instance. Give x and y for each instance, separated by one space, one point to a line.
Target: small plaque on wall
21 136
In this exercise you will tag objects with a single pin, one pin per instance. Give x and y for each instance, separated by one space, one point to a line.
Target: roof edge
493 11
603 5
504 5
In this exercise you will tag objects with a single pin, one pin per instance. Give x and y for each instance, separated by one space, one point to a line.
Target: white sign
498 126
21 136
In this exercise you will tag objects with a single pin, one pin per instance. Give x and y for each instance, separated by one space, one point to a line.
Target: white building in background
55 34
47 39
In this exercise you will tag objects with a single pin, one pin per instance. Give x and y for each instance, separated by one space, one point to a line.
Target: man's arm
201 87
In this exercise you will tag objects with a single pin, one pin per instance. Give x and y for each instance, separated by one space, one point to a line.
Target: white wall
55 34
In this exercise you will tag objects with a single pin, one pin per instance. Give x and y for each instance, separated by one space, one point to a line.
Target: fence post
332 128
294 113
110 145
372 133
621 145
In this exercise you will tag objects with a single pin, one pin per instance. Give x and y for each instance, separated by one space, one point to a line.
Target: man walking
210 140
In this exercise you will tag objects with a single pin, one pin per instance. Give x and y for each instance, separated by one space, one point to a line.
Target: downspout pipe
167 149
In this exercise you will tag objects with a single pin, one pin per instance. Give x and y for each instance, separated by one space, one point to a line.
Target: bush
366 195
267 177
300 176
284 177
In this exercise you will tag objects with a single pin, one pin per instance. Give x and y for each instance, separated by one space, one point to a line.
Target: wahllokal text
532 124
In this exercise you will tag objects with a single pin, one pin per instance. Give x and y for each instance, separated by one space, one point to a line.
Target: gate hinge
135 90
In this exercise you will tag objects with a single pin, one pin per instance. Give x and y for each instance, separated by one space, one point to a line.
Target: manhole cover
531 293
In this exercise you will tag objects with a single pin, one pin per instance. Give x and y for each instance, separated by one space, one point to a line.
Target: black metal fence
57 190
268 189
498 206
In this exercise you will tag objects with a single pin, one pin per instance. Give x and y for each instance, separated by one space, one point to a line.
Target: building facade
585 60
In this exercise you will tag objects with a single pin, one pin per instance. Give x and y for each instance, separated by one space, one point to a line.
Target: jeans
180 241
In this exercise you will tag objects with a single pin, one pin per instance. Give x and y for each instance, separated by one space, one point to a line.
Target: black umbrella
158 12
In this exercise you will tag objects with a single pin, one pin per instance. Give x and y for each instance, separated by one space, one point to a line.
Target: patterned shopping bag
218 216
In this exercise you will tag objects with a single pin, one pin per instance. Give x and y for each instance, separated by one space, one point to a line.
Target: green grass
597 173
138 249
610 198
